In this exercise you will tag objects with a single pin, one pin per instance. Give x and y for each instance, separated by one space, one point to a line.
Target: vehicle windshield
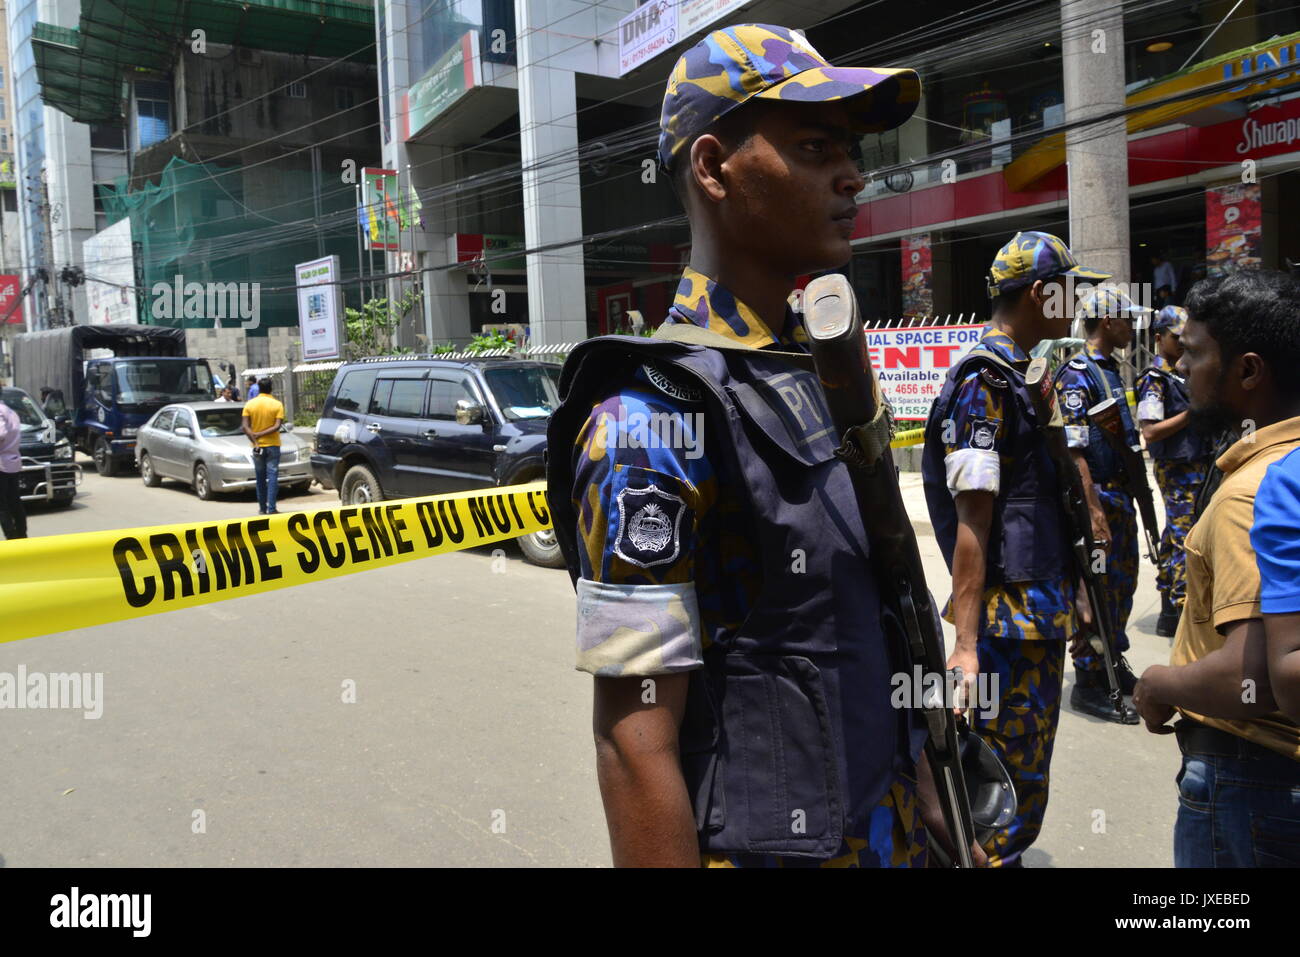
28 414
164 381
525 392
217 422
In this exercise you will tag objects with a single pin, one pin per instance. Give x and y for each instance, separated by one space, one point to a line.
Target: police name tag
649 526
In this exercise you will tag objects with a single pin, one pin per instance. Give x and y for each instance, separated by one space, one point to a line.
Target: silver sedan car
203 445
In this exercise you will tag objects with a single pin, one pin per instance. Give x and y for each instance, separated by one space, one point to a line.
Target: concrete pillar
548 128
1097 154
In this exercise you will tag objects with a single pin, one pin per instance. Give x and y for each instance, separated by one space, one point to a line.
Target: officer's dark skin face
1113 333
779 206
1168 345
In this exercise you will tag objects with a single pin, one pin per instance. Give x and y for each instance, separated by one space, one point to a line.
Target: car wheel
105 464
303 487
147 473
203 483
63 501
360 487
542 548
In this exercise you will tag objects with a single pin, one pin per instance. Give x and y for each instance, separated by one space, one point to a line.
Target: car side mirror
468 413
184 432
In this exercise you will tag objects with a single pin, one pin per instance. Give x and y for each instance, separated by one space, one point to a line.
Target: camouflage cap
1111 302
1170 319
731 66
1032 256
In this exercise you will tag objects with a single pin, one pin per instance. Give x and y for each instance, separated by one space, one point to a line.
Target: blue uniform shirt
976 452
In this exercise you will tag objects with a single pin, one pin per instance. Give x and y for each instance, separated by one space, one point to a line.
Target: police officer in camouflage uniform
725 603
1091 376
1181 458
995 505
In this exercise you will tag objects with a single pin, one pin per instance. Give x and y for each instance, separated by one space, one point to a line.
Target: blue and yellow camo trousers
1022 732
1179 483
1120 581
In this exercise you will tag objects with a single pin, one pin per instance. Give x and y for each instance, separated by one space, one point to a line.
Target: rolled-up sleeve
975 438
636 480
1151 399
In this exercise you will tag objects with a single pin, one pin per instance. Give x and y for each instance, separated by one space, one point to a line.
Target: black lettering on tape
541 514
496 504
308 557
351 533
514 507
429 523
373 519
398 525
451 522
125 549
201 574
478 512
268 570
228 561
334 559
169 555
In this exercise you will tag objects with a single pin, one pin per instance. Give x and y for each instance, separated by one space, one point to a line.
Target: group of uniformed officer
742 649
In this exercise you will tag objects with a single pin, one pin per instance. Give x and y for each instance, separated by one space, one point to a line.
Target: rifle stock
839 348
1107 418
1075 506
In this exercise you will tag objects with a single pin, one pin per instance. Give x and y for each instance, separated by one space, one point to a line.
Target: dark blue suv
397 427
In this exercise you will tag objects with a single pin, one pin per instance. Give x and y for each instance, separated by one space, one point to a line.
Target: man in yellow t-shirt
1241 755
263 416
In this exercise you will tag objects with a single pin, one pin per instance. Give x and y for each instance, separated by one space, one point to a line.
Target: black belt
1196 738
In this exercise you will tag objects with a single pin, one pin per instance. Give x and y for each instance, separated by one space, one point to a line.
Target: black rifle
839 349
1133 468
1043 395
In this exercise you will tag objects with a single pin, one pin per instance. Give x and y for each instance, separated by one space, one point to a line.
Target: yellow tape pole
62 582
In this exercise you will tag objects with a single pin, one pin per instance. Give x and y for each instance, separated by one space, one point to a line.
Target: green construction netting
81 70
193 222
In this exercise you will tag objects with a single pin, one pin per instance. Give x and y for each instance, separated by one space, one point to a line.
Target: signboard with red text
911 363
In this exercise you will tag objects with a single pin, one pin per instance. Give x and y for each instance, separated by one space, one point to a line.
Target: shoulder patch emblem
670 386
649 526
982 433
1074 400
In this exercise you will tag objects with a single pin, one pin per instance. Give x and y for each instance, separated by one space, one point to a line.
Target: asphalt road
468 743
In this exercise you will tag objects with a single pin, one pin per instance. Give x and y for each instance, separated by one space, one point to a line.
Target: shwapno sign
911 363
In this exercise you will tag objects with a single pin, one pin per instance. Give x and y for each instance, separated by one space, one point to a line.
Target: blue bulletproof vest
1027 540
1185 445
789 721
1103 461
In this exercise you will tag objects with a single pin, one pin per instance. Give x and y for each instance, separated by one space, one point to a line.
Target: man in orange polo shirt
263 416
1240 777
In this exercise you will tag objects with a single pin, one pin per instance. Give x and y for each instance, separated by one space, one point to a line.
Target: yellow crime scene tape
902 440
62 582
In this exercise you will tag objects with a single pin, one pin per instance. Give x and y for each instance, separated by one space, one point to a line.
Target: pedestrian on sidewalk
263 416
13 517
253 388
1241 756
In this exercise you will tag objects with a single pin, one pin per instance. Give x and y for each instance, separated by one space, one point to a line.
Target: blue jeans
1238 811
266 463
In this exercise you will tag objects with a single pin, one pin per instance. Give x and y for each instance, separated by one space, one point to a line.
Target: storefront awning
1049 153
81 70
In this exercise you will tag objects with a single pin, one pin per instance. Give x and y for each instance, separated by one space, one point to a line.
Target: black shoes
1090 695
1127 679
